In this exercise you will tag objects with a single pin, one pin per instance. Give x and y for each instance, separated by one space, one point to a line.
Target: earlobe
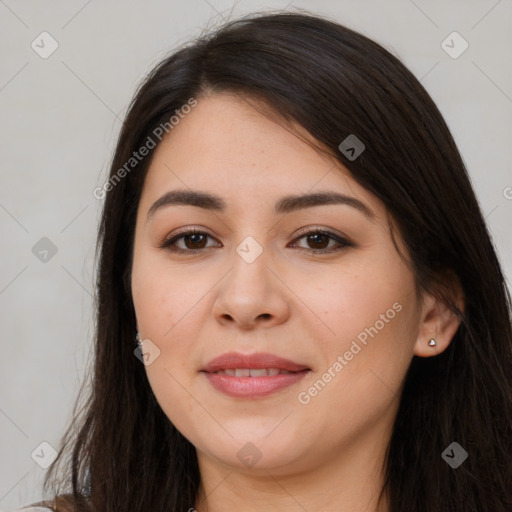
438 326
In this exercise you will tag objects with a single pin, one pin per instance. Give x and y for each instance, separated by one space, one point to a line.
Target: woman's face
340 307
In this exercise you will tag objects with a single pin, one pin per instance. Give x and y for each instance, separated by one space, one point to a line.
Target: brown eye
193 240
318 242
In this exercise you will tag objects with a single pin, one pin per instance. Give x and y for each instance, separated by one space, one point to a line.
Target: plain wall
60 117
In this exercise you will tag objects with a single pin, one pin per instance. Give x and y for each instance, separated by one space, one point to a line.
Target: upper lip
234 360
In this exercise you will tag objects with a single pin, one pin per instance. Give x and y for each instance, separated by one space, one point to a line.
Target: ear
438 321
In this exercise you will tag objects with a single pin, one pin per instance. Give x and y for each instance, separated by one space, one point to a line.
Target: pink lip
252 387
259 360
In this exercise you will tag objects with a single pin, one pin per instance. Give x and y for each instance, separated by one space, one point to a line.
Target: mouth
238 362
253 372
252 375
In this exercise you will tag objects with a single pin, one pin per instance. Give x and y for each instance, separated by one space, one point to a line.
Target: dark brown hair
125 454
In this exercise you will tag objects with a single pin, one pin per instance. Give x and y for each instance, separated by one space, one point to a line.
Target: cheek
165 315
163 297
370 317
169 313
363 298
365 361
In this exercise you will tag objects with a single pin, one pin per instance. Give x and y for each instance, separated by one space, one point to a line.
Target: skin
326 454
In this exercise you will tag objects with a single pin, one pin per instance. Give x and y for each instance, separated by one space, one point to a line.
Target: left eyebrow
292 203
285 205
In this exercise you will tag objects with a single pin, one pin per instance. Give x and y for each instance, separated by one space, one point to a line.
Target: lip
252 387
232 360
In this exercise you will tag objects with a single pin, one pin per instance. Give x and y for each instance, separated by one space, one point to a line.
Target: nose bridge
249 276
250 290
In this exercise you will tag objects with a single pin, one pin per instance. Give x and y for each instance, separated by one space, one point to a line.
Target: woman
299 303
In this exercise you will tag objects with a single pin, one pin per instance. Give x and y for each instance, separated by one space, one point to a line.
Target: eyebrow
285 205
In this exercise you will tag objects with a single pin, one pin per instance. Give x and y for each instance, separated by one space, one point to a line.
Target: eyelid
189 230
317 227
342 240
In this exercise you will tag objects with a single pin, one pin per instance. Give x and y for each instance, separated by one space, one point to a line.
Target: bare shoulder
32 509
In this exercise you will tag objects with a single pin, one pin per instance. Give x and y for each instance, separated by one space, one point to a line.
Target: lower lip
253 387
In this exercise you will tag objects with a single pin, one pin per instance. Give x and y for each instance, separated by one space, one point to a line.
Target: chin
254 449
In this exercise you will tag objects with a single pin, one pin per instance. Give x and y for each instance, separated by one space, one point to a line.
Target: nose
252 294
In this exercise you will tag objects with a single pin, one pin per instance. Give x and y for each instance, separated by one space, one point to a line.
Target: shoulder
60 503
39 506
32 509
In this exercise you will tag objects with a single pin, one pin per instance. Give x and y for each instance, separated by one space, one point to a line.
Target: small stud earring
432 343
138 340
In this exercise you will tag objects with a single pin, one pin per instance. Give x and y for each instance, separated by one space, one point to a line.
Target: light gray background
59 123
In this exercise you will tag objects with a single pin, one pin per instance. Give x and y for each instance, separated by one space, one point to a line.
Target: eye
194 240
320 240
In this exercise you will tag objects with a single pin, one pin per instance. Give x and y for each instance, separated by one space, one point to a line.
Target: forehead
230 145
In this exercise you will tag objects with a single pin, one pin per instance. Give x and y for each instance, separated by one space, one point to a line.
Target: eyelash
343 243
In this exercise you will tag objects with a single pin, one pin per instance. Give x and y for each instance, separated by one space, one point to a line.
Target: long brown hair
124 453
